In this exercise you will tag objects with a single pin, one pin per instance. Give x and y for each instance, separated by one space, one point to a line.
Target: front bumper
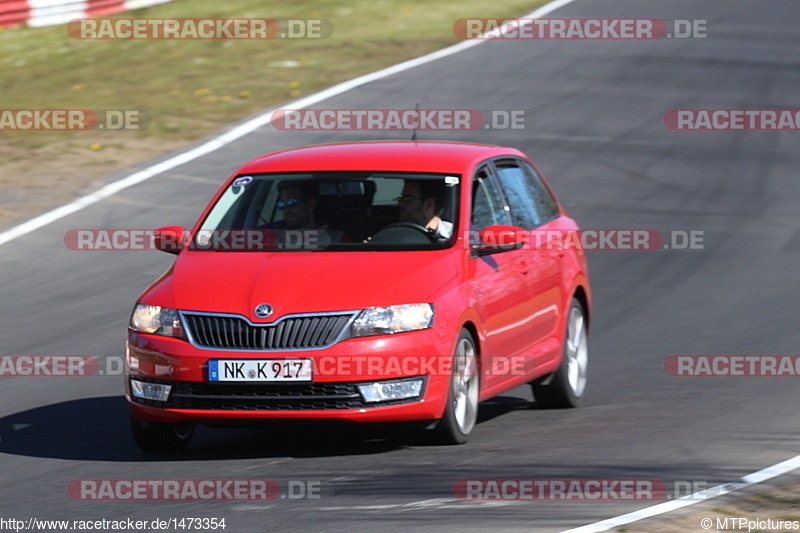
332 395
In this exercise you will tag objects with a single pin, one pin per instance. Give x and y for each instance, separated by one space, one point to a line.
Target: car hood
236 282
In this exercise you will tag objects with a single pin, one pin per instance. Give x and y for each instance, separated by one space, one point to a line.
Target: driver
421 203
297 200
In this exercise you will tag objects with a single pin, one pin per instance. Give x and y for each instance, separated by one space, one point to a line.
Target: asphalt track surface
600 139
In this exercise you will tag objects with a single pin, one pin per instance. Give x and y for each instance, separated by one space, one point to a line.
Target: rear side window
545 203
519 194
488 206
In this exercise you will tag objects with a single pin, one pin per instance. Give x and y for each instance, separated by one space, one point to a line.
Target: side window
546 205
236 208
488 207
520 196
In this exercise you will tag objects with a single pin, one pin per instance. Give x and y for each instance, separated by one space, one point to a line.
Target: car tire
461 412
156 437
566 386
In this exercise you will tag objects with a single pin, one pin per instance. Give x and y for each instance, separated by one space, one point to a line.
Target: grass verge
190 88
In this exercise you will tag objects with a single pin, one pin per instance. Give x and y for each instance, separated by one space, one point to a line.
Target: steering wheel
431 236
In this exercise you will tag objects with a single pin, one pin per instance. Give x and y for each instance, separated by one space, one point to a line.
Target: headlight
157 321
394 319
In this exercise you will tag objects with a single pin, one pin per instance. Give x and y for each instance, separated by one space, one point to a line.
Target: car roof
401 156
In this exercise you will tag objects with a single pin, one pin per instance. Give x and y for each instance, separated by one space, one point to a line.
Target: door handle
558 245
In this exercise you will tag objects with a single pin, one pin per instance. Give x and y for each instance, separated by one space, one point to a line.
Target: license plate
259 370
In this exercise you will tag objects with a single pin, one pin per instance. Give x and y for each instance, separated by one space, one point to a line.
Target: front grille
291 333
263 397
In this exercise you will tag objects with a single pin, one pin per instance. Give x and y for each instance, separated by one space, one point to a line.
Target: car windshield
333 211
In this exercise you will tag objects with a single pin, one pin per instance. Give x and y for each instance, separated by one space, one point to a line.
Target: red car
362 282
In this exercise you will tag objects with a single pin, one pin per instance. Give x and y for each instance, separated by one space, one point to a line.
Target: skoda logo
263 310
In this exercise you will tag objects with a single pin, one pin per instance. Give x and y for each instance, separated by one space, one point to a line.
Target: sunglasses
407 198
291 202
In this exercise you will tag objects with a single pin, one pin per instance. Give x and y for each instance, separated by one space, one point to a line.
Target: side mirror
169 239
500 238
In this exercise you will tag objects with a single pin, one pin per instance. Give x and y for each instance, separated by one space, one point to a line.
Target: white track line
240 131
704 495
